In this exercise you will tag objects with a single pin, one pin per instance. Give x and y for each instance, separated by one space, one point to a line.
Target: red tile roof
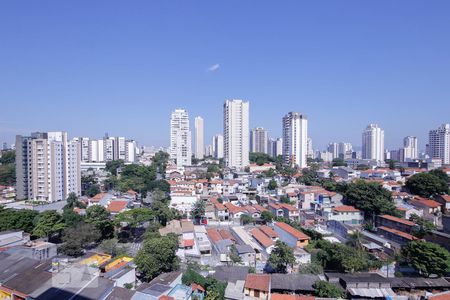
188 243
259 282
268 231
292 231
225 234
213 235
233 208
263 239
117 206
346 208
288 207
276 296
399 233
259 208
426 202
165 297
398 220
446 198
195 287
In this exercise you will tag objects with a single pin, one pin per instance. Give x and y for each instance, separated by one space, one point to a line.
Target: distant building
217 146
180 138
236 133
275 147
258 140
439 143
373 143
333 148
199 138
345 150
410 150
47 167
295 139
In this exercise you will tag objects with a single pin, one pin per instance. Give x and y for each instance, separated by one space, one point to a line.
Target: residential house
290 235
445 201
257 286
265 242
395 235
395 223
347 214
431 209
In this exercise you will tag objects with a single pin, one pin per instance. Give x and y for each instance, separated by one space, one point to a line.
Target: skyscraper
439 143
199 138
295 139
180 138
310 150
345 150
275 147
409 150
236 133
217 146
258 140
333 148
373 143
47 167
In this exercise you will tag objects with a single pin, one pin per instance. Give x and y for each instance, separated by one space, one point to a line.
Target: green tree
113 247
325 289
93 190
424 226
7 174
234 255
99 217
272 185
77 238
267 216
427 184
48 223
281 257
427 258
71 218
246 219
198 210
339 162
21 219
260 158
8 157
157 255
370 197
113 165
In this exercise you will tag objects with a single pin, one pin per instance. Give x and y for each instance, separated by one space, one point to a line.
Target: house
276 209
290 212
293 283
347 214
235 212
305 200
269 232
431 209
290 235
221 212
266 242
395 223
247 254
257 286
395 235
346 173
235 290
445 201
117 206
363 285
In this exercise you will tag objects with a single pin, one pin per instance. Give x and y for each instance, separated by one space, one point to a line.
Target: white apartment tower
217 146
333 148
199 138
373 143
410 149
295 139
345 150
310 150
180 138
47 167
439 143
258 140
236 133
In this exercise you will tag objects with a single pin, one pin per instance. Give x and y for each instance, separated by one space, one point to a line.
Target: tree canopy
99 217
428 184
260 158
281 258
23 219
325 289
427 258
48 223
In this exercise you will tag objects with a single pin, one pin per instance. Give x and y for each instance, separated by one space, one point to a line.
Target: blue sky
90 67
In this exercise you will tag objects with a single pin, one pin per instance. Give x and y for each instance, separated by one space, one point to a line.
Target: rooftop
259 282
292 231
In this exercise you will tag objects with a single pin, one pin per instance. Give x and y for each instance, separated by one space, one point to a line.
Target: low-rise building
257 286
347 214
290 235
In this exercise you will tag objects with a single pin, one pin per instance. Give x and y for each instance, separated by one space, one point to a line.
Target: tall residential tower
236 133
199 138
180 138
373 143
295 139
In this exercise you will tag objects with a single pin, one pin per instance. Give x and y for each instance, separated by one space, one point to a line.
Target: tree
339 162
325 289
77 238
427 184
281 257
99 217
8 157
21 219
113 165
93 190
424 226
234 255
267 216
7 174
260 158
198 210
157 255
370 197
112 247
48 223
272 185
71 218
427 258
246 219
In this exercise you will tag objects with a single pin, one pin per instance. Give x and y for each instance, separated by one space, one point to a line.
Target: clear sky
90 67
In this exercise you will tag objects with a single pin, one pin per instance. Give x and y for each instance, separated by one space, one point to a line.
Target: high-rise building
333 148
199 138
120 148
410 150
258 140
47 167
439 143
373 143
131 151
309 147
180 138
275 147
236 133
345 150
109 143
217 146
295 139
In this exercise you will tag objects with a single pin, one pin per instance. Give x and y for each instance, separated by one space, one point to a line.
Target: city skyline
332 70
